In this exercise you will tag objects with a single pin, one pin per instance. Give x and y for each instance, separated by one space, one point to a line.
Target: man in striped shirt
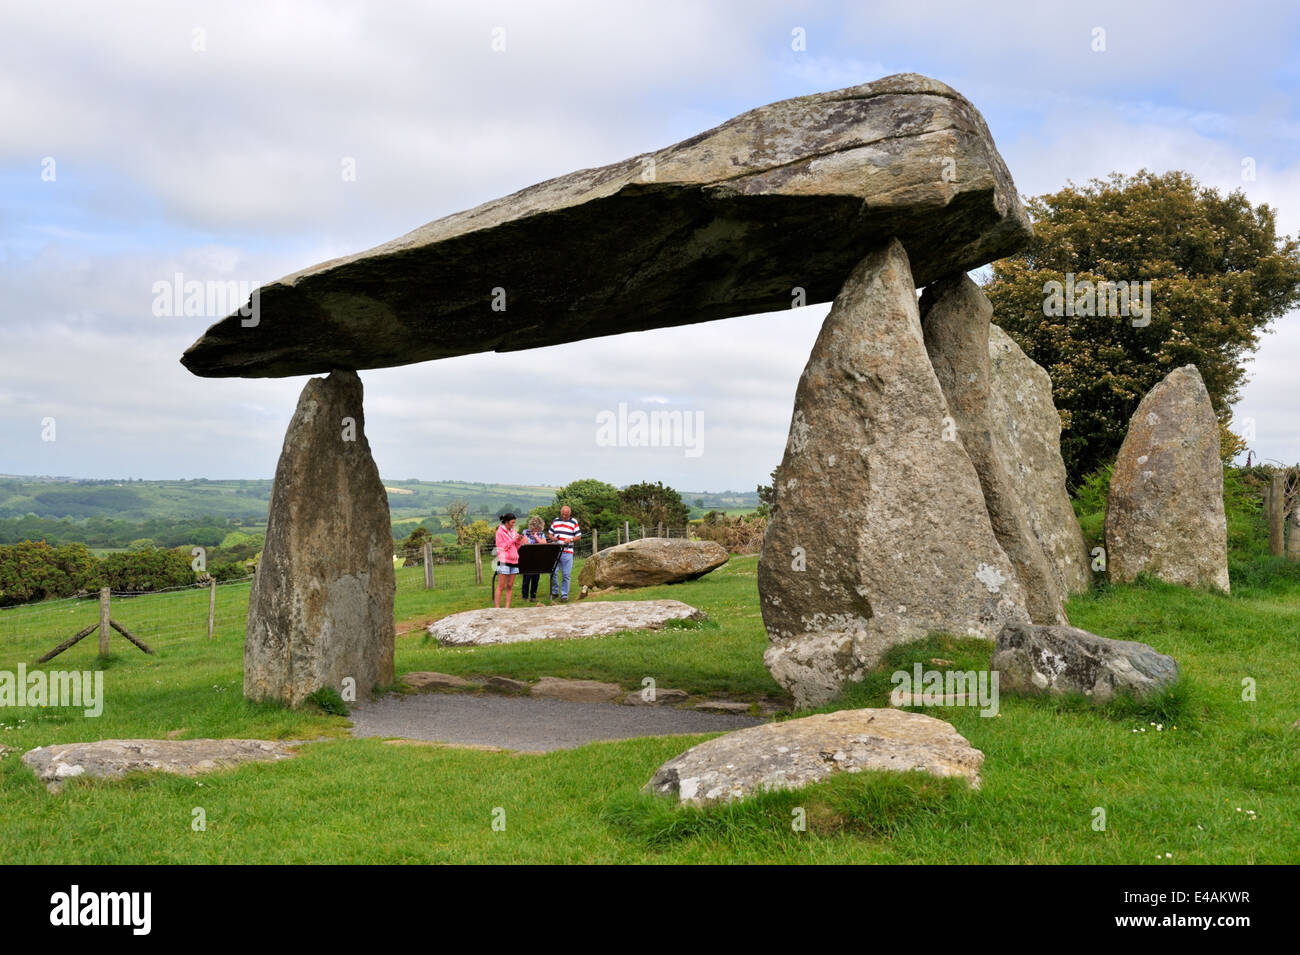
564 528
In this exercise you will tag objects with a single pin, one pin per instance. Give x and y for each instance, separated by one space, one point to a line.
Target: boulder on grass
111 758
797 752
557 622
651 562
1034 659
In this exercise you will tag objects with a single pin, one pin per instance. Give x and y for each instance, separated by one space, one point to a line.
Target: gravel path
525 723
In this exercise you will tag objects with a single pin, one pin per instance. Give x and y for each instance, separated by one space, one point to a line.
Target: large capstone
1027 437
879 534
955 316
772 206
1164 513
321 610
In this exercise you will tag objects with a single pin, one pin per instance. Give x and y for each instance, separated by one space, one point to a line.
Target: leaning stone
110 758
879 534
652 562
429 680
1028 440
955 316
662 697
1058 660
321 608
577 691
797 752
558 622
725 223
1164 513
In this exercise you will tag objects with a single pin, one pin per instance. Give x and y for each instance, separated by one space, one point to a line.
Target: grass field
1216 782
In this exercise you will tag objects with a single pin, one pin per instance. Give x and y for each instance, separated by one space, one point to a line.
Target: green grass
1049 763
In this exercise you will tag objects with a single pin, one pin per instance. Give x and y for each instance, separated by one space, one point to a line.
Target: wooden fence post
212 607
642 532
595 540
1293 533
428 565
104 595
627 533
478 566
1276 504
661 530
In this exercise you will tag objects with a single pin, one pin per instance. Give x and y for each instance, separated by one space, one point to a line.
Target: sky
142 140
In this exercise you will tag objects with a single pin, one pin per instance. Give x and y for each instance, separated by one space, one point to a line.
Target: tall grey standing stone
955 317
321 609
878 534
1164 514
1027 438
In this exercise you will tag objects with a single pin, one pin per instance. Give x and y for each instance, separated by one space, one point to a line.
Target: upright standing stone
1027 438
1164 515
955 317
321 609
879 534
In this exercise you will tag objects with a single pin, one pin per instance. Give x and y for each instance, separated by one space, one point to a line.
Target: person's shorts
507 569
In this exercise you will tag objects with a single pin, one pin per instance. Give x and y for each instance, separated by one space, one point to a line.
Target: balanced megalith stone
651 562
1058 660
321 609
1164 513
796 753
879 534
1027 437
777 202
955 317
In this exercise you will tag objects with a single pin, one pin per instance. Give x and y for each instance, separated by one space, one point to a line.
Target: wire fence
163 618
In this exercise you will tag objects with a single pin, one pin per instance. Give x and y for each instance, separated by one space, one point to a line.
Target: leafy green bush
147 570
33 570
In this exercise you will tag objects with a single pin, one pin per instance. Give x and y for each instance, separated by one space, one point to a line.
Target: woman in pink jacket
507 559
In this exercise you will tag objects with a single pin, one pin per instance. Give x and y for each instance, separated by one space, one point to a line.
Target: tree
458 512
766 496
481 532
1218 273
412 549
654 504
595 505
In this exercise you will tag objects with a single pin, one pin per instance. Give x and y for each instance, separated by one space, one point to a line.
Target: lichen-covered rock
558 622
1027 438
321 608
651 562
797 752
1164 513
107 758
726 223
1036 659
576 691
955 316
879 534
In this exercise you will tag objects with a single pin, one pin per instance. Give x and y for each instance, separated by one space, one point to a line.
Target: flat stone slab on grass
559 621
108 758
579 691
429 680
528 724
1060 660
797 752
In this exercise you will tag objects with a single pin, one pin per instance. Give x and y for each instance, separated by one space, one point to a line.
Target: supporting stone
321 609
1164 512
879 533
955 317
1027 436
